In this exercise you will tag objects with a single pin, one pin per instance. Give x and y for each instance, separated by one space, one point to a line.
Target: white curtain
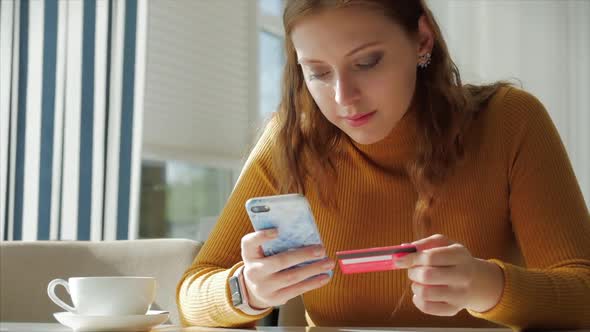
545 44
201 81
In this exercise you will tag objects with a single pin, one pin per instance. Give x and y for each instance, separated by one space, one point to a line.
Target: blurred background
127 119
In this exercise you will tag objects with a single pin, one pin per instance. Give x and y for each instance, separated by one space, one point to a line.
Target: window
270 64
271 7
181 200
271 58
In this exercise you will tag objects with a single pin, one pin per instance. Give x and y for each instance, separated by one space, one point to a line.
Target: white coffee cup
106 296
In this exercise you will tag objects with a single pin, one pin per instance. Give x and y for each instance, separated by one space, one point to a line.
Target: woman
377 130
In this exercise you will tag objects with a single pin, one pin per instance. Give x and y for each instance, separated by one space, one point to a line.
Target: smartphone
291 215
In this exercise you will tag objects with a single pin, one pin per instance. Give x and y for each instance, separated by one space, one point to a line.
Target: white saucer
83 323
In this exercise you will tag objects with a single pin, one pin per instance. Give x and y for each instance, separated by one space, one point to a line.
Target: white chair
27 267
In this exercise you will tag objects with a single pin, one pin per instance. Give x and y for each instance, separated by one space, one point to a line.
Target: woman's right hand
267 284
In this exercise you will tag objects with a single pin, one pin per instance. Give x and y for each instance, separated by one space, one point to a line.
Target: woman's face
360 67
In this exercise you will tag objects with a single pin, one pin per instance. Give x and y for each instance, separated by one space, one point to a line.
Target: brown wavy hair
307 142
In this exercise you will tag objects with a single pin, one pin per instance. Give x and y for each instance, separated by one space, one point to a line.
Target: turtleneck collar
397 148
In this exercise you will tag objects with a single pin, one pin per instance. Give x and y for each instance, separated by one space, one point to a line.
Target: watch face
236 294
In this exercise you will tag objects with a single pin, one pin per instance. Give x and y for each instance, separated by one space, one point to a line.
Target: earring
424 60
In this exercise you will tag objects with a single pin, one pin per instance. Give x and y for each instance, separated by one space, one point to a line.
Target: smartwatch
238 293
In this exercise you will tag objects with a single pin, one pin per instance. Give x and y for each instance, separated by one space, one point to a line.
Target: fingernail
325 280
271 232
328 265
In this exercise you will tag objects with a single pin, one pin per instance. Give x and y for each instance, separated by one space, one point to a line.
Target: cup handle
51 292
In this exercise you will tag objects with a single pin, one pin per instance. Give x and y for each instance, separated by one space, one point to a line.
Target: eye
370 62
314 76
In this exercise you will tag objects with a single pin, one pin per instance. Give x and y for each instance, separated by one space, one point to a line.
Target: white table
56 327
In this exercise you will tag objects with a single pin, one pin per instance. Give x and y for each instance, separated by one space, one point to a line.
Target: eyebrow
353 51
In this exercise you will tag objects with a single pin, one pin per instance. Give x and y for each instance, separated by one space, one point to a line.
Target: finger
292 276
292 291
429 293
433 241
429 275
455 254
291 258
251 243
435 308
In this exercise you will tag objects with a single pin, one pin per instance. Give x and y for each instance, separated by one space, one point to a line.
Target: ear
425 36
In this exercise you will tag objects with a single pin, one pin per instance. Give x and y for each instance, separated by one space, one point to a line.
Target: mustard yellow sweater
514 200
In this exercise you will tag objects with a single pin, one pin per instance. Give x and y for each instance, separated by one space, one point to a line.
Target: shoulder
266 138
261 152
513 114
521 125
514 110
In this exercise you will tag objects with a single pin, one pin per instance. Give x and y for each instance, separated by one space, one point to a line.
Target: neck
397 148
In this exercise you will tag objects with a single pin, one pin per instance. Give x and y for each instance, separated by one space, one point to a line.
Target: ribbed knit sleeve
550 221
203 295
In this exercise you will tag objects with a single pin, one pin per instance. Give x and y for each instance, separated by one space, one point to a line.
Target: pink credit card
372 259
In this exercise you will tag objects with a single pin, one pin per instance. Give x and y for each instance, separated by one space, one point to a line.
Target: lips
358 116
359 119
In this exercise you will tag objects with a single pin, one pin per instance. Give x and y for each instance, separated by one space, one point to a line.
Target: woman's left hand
447 279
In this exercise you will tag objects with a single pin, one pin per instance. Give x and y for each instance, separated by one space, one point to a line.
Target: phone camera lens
260 208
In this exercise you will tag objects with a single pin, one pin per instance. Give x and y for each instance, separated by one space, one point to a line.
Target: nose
346 92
